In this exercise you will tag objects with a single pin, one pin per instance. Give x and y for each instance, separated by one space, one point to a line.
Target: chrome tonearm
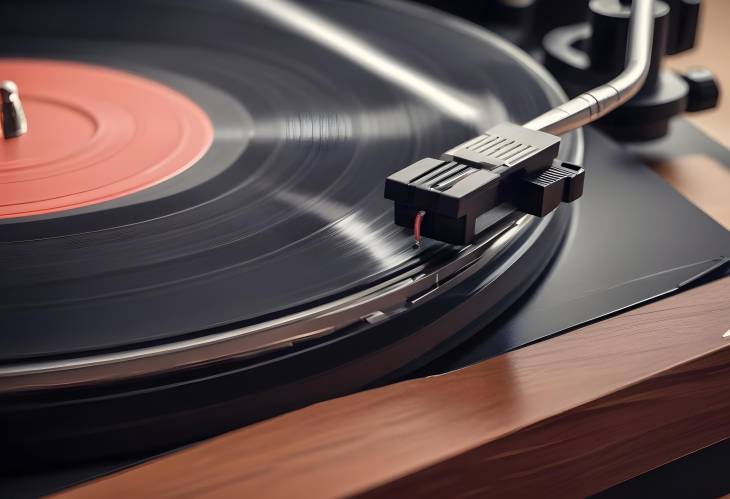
448 199
596 103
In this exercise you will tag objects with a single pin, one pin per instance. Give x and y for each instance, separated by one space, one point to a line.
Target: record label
95 134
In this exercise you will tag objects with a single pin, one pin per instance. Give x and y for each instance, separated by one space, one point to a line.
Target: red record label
94 134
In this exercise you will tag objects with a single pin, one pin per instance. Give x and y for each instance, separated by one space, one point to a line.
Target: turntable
215 213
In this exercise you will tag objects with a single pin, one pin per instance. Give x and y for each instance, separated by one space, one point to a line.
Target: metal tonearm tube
596 103
449 198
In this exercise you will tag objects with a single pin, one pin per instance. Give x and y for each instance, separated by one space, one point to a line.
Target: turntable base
604 403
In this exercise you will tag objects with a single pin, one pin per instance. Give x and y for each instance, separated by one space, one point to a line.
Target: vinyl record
279 220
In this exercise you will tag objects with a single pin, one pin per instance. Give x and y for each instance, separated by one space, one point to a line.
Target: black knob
703 89
516 13
683 20
606 48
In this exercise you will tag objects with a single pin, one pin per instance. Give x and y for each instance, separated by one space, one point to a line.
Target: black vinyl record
313 105
294 213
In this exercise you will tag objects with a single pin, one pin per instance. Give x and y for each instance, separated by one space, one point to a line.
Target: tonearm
444 198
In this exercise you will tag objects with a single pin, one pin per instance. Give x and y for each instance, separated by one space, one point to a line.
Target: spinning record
235 205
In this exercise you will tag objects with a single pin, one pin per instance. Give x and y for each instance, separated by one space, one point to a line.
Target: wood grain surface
573 415
569 416
711 51
701 179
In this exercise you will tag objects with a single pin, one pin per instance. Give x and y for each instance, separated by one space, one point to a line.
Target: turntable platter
262 271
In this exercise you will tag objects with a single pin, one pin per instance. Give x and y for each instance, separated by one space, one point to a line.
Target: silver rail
596 103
